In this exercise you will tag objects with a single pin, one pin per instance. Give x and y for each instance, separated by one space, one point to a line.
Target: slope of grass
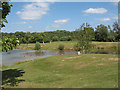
70 71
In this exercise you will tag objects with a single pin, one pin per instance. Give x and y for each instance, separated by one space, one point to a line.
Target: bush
102 47
37 46
98 47
61 47
77 48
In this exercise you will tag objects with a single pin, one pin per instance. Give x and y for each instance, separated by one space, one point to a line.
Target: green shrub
61 47
102 47
77 48
37 46
98 47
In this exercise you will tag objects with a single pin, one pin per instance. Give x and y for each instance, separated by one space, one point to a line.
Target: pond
11 57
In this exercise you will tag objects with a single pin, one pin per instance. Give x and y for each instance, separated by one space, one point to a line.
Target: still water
11 57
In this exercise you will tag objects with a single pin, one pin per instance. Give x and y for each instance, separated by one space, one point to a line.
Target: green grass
106 46
70 71
50 46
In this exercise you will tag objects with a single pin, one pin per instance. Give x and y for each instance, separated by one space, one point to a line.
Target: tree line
101 33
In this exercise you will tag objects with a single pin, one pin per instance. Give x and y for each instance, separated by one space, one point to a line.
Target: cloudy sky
40 17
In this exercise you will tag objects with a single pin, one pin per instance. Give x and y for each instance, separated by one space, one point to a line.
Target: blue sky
40 17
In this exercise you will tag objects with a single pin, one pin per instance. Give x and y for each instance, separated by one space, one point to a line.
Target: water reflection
36 53
104 52
61 52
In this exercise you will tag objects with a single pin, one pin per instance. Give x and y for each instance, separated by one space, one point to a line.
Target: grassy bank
49 46
69 71
106 46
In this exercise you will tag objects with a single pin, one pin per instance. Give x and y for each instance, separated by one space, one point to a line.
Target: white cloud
105 19
57 24
33 11
61 21
96 10
18 12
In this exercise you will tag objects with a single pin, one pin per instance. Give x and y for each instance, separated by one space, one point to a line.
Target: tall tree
101 33
116 29
43 36
111 34
84 37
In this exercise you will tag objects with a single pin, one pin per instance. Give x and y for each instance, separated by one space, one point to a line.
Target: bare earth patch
85 65
94 57
113 59
71 57
100 64
103 58
29 84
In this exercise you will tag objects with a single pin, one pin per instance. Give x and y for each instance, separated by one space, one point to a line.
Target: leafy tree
8 43
116 29
27 37
84 37
101 33
55 38
111 34
6 8
66 38
42 36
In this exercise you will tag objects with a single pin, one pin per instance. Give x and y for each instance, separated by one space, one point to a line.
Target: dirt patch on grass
71 58
19 62
85 65
93 57
113 59
30 85
110 59
103 58
100 64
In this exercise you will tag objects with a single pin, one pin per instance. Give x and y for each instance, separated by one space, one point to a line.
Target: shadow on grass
11 77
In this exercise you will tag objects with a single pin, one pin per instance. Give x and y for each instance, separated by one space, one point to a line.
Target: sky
44 16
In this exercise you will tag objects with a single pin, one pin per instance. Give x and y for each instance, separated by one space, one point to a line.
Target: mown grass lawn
70 71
